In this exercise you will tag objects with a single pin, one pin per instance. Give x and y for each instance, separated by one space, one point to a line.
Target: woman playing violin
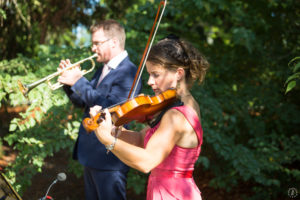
170 147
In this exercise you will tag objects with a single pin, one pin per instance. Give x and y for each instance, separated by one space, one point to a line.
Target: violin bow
147 49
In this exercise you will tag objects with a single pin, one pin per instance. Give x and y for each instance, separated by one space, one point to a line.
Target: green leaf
12 127
290 86
296 58
2 13
38 115
32 122
294 76
297 66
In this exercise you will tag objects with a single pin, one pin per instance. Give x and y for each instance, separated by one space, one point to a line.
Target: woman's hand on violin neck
103 132
95 110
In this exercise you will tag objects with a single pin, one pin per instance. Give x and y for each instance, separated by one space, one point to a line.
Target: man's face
101 45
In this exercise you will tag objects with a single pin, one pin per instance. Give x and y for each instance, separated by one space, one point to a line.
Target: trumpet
26 88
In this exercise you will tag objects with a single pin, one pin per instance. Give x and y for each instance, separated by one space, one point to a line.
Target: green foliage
292 80
251 133
137 181
2 13
49 124
34 22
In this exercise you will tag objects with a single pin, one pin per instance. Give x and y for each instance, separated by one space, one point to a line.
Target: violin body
139 108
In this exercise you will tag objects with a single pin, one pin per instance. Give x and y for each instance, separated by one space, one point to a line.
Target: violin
140 108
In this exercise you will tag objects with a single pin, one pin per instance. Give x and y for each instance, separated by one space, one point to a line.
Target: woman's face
160 79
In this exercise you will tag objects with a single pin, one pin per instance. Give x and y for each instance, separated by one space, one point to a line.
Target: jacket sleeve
107 94
74 97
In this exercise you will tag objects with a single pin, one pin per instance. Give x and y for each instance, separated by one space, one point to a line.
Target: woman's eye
155 75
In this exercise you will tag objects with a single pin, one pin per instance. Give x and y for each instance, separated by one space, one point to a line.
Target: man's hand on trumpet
69 77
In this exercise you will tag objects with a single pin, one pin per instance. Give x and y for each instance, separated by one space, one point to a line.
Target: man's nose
93 48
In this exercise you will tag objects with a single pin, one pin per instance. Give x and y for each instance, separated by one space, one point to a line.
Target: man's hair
111 29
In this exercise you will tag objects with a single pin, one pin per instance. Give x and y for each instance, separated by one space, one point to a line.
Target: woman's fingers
95 110
107 115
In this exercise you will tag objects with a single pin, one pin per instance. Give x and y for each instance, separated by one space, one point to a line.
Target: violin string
120 102
144 62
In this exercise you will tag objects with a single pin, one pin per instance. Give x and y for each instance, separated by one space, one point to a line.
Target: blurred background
249 101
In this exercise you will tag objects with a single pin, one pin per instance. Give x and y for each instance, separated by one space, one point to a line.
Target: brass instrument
25 89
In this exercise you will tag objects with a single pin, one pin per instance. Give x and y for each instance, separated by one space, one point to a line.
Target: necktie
105 71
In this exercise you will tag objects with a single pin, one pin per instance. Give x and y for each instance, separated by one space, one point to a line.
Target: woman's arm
131 137
158 147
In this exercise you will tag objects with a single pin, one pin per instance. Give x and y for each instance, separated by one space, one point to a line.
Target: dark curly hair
173 52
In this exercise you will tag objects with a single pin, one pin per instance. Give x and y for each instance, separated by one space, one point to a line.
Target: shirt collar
113 63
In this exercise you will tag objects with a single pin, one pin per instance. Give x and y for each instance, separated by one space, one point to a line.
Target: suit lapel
112 71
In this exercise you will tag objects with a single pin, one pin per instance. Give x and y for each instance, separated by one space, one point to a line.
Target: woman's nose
150 81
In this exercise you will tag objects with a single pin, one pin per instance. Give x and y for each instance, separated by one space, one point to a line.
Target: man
104 174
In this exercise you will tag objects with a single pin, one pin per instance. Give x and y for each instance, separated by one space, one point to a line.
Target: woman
171 146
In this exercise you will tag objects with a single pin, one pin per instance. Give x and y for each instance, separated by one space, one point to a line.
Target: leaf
12 127
297 66
2 13
290 86
38 115
204 161
294 76
296 58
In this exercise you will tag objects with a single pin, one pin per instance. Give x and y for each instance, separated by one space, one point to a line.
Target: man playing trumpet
104 174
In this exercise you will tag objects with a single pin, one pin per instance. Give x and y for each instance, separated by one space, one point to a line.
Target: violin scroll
90 124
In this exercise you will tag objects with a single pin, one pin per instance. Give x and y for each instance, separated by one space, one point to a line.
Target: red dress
172 179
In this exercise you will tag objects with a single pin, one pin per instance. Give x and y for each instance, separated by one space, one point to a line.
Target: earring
177 89
177 85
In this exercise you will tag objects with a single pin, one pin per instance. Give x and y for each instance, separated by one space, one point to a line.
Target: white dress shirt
112 64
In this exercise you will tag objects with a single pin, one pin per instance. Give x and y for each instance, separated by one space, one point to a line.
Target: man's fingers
64 63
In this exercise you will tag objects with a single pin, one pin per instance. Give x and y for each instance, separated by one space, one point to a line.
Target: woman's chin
156 92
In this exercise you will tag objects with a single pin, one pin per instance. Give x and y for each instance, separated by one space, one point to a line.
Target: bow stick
147 49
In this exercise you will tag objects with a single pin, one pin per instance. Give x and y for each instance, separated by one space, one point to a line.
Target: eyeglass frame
98 44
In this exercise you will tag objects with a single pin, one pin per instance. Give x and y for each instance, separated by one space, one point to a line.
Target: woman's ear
180 73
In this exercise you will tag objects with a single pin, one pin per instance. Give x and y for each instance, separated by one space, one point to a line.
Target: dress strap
192 117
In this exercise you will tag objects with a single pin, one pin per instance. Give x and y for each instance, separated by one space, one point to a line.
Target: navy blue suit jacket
113 89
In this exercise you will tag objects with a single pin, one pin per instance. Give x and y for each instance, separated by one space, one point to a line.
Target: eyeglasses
98 44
